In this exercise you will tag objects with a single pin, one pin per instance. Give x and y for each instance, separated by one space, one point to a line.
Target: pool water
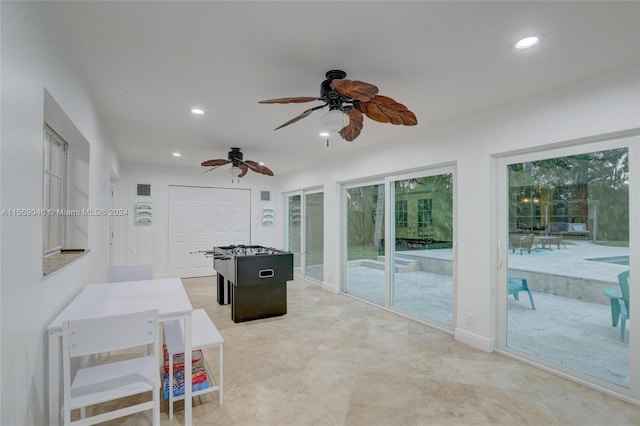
616 260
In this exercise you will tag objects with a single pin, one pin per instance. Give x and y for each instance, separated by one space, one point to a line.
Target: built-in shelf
144 212
268 217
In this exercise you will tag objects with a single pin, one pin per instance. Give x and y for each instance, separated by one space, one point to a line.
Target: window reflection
573 214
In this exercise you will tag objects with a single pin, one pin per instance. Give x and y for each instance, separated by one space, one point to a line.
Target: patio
571 325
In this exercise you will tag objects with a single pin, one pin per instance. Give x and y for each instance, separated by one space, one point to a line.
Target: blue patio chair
518 284
620 302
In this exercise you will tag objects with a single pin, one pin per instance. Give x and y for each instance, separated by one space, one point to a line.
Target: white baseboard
475 340
330 287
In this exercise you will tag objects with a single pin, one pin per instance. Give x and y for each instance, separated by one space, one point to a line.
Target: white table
96 300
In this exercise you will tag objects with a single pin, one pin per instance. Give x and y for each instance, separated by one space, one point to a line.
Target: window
425 213
314 235
364 209
65 190
421 257
566 219
54 194
402 215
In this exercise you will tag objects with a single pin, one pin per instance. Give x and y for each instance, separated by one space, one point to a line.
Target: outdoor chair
521 242
518 284
559 241
620 302
118 379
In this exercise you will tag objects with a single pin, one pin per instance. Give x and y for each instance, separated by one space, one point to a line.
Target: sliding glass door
403 260
314 236
567 235
422 253
365 265
293 231
305 233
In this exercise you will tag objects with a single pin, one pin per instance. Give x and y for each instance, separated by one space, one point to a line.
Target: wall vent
265 195
144 190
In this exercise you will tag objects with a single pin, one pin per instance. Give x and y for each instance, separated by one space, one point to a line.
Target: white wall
33 61
135 243
604 104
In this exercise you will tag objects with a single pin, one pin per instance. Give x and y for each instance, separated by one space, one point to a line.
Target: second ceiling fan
348 100
239 166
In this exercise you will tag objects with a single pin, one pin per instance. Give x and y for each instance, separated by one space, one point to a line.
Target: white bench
204 334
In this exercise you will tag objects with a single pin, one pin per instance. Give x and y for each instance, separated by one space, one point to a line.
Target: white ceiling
149 62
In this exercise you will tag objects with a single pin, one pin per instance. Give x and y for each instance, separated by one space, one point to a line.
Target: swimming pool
616 260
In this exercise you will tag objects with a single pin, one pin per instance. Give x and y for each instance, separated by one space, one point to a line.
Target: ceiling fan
239 167
348 100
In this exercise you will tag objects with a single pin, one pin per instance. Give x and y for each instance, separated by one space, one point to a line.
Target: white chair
118 273
106 382
204 334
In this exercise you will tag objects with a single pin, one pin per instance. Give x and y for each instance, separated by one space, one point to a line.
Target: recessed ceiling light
177 154
527 42
197 111
324 134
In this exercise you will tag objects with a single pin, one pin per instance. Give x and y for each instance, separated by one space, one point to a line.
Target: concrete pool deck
565 328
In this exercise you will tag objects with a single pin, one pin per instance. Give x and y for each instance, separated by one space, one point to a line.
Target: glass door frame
629 140
303 236
344 187
287 231
390 236
303 226
389 233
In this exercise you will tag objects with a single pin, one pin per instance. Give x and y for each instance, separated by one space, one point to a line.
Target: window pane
365 243
55 221
294 227
57 156
47 150
53 190
314 236
569 243
422 277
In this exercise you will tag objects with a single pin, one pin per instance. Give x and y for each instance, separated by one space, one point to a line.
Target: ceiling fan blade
215 163
354 89
294 100
259 168
352 130
300 116
244 169
386 110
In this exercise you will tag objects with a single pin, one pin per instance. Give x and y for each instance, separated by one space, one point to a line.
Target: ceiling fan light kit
348 101
335 120
235 172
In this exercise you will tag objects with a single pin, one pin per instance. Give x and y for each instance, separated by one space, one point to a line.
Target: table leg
170 382
188 382
221 373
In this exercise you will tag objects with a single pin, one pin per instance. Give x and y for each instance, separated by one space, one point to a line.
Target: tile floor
333 360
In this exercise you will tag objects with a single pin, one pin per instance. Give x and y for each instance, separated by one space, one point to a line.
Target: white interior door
231 212
201 218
